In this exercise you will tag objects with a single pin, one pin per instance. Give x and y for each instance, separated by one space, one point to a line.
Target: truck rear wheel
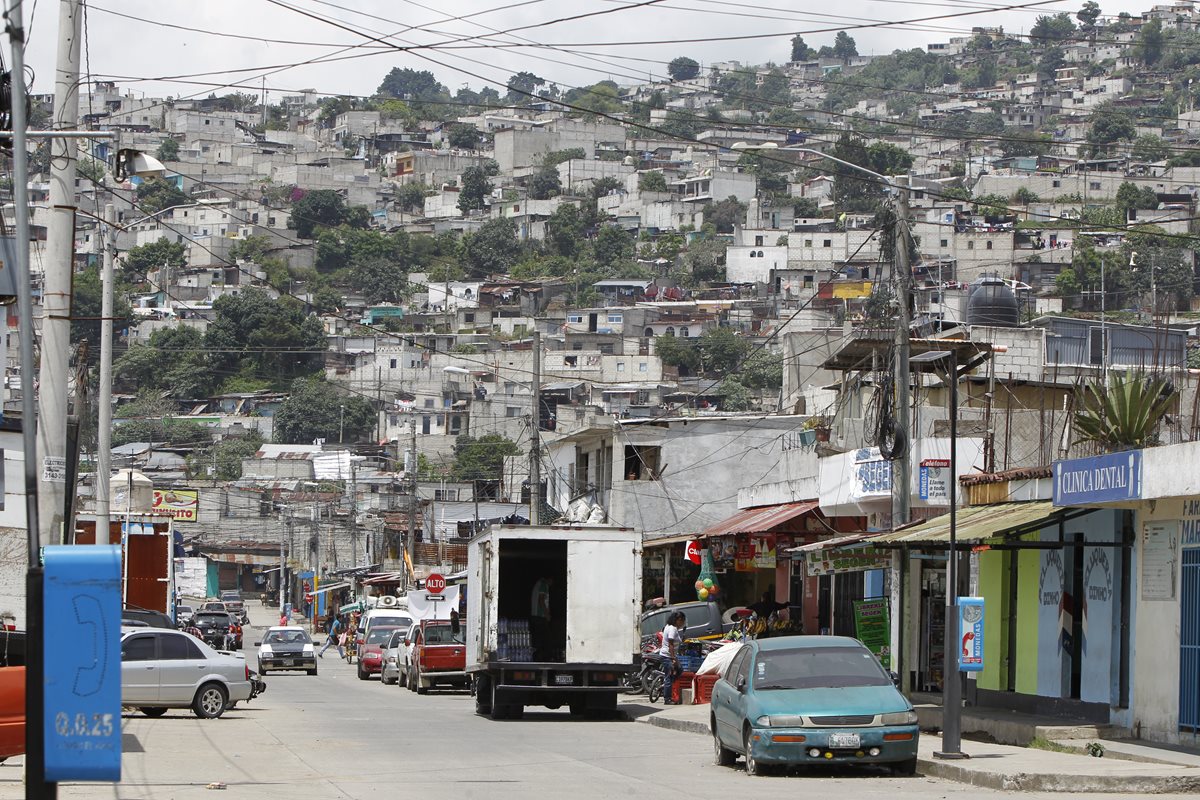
483 695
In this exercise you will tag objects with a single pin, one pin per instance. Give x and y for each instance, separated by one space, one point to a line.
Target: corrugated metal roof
759 520
974 524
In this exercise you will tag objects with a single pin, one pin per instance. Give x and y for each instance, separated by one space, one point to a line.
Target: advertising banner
828 562
970 634
872 627
182 505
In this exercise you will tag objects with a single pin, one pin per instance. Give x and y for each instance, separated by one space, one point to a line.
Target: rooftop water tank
992 302
130 492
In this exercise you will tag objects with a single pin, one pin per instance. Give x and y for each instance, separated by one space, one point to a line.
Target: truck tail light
247 672
604 678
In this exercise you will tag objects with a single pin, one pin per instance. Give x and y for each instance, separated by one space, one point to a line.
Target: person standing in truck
539 619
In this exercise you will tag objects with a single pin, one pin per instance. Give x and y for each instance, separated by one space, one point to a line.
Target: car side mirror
895 677
741 683
257 644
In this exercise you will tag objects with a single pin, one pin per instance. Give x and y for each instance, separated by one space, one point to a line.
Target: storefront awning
974 524
331 587
836 541
759 520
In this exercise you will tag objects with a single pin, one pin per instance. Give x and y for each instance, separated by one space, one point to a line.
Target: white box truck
552 617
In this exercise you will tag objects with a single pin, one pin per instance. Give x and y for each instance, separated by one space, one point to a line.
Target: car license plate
844 740
564 680
287 662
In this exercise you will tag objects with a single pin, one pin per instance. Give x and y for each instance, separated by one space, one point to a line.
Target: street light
951 681
902 483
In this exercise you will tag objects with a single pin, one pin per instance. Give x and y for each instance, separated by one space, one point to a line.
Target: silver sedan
164 669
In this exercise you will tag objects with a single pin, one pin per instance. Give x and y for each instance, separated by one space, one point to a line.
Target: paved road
333 736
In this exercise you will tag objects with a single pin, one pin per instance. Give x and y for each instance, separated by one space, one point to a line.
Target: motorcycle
257 685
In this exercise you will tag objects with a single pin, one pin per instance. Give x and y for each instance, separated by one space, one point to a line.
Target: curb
1047 782
1014 782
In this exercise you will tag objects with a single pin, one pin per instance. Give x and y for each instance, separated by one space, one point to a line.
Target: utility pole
56 293
535 460
902 465
411 543
104 432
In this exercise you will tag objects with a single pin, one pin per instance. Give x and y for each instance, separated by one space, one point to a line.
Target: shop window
571 361
827 243
670 331
642 462
683 331
808 281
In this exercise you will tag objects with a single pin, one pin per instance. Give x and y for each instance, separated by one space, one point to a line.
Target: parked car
438 655
184 615
390 617
286 648
703 619
810 700
219 630
405 652
164 669
393 657
213 605
370 652
155 619
235 606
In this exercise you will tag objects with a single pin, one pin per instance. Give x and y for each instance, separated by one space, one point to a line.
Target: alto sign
435 583
1111 478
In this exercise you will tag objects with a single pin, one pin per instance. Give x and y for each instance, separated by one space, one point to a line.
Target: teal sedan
797 700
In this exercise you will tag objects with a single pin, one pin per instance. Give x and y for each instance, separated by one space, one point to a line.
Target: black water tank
992 302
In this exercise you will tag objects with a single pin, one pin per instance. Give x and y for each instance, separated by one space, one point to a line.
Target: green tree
173 364
411 197
562 156
223 461
888 159
612 246
139 261
1149 47
722 351
1132 197
1088 15
168 150
680 353
545 183
705 260
1054 28
253 248
1024 196
523 86
844 46
482 458
493 249
86 303
159 194
734 395
474 190
852 190
1109 126
462 136
315 409
91 169
683 68
603 98
256 336
410 84
725 214
800 50
652 181
172 432
1151 148
320 208
565 231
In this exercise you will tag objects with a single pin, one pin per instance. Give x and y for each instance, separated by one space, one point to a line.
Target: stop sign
435 583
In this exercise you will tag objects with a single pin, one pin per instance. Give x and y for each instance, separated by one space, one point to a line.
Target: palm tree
1125 414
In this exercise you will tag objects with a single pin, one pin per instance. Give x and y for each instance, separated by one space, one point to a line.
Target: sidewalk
998 766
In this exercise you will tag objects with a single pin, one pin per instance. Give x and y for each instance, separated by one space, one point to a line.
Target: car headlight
308 649
265 650
780 721
899 718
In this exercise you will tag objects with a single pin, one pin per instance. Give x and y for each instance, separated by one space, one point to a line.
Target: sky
145 56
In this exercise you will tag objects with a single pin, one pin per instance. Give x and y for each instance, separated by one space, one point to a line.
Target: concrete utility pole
104 432
56 292
410 545
902 465
535 455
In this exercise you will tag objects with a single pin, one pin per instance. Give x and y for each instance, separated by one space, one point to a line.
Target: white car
393 657
404 653
164 669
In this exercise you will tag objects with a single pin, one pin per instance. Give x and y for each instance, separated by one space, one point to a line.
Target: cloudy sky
247 42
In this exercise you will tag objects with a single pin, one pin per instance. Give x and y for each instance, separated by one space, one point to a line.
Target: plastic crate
681 680
690 663
702 687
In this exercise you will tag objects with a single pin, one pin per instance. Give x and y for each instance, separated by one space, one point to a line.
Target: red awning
763 519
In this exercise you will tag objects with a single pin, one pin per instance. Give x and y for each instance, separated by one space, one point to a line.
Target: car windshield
212 619
817 667
286 637
389 622
379 635
441 634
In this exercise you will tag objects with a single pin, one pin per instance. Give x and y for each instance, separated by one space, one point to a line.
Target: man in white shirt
672 639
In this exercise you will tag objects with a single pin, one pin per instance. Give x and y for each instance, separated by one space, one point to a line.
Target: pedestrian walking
335 634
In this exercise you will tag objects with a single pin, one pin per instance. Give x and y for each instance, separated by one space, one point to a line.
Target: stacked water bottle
514 642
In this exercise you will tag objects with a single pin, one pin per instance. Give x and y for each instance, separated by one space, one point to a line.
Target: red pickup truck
436 656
